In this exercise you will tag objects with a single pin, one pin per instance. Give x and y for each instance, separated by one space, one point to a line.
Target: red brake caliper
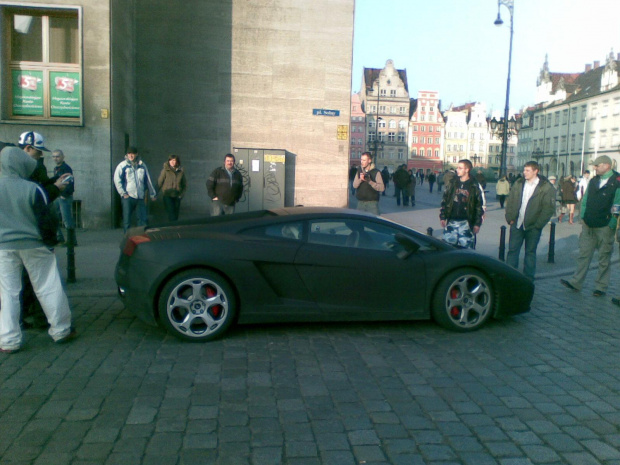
216 310
454 311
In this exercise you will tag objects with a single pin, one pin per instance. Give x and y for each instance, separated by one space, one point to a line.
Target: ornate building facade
385 101
576 117
426 133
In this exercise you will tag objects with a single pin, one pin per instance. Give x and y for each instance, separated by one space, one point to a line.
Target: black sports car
308 264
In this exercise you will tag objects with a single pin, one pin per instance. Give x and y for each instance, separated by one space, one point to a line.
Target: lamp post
498 22
376 142
505 132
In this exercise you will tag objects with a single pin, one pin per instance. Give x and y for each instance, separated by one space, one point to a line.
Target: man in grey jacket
530 205
24 230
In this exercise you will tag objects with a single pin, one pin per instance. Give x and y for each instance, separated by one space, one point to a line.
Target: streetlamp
505 132
498 22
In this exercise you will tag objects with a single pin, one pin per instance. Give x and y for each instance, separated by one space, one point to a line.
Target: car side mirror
408 244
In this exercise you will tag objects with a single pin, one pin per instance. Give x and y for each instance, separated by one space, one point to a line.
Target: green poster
65 94
27 92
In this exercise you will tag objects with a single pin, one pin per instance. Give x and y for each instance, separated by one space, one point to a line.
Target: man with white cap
34 145
598 226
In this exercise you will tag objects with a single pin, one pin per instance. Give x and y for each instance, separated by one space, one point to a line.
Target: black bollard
551 256
429 231
71 255
502 242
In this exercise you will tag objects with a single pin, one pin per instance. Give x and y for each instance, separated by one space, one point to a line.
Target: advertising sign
65 94
27 92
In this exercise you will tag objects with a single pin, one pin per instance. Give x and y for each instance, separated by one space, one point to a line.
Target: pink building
426 126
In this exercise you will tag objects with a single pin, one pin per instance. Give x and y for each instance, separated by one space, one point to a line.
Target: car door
267 273
353 269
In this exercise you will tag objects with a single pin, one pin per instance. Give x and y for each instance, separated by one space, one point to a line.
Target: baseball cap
601 159
34 139
552 178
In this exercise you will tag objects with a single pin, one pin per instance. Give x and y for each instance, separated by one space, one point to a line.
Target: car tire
463 300
197 305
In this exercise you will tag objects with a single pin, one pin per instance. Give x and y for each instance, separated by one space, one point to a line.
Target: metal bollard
551 256
502 242
429 231
71 255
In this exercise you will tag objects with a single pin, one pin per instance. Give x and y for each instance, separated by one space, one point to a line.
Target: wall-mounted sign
65 94
27 92
343 131
324 112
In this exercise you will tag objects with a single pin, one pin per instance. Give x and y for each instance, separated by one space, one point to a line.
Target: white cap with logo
33 139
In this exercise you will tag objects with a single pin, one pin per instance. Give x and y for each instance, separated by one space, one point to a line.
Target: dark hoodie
26 221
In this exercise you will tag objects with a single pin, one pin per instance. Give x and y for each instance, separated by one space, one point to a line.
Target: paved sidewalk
539 388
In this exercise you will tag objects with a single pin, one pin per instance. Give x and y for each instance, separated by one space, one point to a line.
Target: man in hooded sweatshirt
25 229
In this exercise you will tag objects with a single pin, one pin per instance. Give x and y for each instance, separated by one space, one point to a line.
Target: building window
382 109
414 139
391 137
392 93
403 110
44 75
372 123
371 136
392 124
402 124
401 154
401 137
381 123
414 152
415 127
383 93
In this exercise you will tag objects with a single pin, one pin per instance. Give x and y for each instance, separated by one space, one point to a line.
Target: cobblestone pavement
540 388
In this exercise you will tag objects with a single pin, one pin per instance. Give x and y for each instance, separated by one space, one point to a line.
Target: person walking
412 185
385 175
431 181
132 181
64 202
369 184
440 177
172 184
27 229
401 185
598 227
530 206
568 187
225 187
502 189
462 208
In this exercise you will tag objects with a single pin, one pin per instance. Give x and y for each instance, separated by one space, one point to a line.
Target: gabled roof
580 85
371 75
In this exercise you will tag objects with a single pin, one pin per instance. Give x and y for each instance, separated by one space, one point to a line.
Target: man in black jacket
598 227
225 187
462 208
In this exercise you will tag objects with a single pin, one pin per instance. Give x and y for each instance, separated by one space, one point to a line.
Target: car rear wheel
197 305
463 300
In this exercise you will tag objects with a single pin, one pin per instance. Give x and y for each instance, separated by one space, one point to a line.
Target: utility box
268 178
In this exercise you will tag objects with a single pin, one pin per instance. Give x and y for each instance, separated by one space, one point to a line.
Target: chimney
597 64
588 67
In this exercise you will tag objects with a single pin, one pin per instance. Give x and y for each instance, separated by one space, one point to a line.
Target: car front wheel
463 300
197 305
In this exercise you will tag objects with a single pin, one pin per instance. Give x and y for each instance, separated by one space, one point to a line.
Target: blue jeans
218 208
63 209
129 205
517 237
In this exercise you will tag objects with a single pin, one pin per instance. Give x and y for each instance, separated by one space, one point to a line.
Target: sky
453 47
